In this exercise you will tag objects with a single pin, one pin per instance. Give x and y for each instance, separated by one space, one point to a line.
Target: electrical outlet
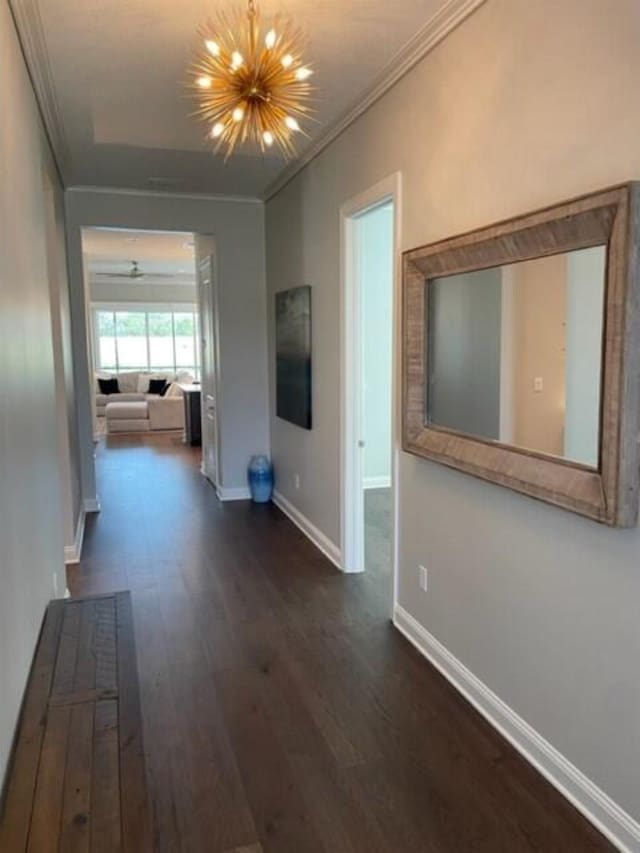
296 480
538 384
423 577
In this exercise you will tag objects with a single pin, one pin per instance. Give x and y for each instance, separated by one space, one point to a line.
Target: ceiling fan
134 272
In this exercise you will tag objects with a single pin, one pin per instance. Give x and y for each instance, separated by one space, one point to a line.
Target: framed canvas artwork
293 356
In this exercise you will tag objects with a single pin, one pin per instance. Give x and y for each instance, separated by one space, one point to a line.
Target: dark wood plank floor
282 712
77 779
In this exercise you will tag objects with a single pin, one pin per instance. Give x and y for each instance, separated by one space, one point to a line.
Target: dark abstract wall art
293 356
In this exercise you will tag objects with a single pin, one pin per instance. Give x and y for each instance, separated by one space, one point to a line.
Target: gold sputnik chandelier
250 81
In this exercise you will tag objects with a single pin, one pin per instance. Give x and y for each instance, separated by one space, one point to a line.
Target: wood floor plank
76 804
136 826
85 672
104 828
220 816
105 644
44 832
282 819
64 676
169 779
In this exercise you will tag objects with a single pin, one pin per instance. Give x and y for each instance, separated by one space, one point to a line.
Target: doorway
143 322
369 480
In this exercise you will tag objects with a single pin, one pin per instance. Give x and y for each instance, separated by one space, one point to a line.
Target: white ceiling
162 255
113 72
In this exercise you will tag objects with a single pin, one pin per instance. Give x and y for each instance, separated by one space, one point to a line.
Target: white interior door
207 298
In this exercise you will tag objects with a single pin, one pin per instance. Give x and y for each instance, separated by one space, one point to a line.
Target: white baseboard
91 504
619 827
376 483
328 548
73 553
240 493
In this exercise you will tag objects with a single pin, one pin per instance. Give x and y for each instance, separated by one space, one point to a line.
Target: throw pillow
143 383
128 381
157 386
174 390
108 386
145 378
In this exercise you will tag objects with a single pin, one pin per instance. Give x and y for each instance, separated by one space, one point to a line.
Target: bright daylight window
141 339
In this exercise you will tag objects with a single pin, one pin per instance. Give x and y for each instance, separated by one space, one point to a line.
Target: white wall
238 228
374 233
585 301
524 104
31 524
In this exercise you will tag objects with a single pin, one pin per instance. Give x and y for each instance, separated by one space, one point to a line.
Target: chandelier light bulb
249 80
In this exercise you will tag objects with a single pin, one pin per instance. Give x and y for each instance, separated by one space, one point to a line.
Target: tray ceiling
110 78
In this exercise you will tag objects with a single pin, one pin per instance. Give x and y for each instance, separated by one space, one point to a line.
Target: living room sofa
134 409
134 387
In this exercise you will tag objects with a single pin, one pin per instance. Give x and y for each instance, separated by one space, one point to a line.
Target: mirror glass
515 353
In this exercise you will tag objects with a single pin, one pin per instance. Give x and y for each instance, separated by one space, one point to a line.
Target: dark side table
192 417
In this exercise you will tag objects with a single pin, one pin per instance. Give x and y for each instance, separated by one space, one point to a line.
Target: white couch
134 387
137 410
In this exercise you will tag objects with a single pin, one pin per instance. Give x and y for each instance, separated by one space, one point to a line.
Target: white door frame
352 503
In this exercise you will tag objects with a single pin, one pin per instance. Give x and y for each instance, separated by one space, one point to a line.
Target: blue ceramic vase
260 473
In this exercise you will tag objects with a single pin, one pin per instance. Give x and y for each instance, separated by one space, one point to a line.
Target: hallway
282 712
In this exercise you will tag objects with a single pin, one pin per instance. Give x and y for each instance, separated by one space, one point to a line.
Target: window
154 339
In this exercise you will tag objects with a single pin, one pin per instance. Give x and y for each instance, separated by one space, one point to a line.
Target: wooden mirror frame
608 493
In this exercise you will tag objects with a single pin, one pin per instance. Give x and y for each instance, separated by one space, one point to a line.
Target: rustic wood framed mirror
521 354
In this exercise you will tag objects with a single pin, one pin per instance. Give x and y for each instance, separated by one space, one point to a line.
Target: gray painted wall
516 109
238 228
31 518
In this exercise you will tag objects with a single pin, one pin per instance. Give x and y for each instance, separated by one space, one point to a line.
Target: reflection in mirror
515 353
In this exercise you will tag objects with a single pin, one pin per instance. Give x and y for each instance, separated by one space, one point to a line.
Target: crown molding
235 199
28 22
446 19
